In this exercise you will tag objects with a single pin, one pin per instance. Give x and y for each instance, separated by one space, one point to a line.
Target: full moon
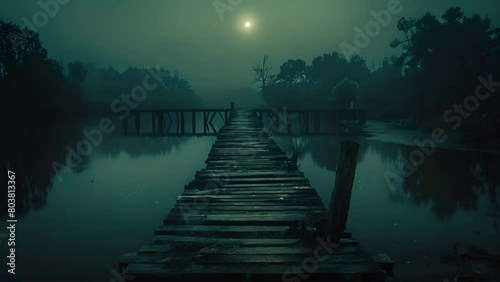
248 24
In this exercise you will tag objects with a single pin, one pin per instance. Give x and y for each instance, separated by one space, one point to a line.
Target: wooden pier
251 215
207 122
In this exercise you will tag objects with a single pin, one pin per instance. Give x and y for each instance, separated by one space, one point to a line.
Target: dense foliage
33 84
438 65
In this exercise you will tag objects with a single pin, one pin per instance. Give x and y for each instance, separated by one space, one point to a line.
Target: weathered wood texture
341 195
183 122
250 215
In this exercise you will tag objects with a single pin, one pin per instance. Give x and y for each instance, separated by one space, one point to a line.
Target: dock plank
249 213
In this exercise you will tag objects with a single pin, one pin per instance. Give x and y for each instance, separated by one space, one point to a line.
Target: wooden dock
250 215
207 122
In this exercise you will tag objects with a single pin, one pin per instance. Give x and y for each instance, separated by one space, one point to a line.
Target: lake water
78 228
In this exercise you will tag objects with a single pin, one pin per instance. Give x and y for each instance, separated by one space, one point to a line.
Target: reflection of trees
323 149
445 181
451 180
489 175
291 145
141 146
448 180
30 152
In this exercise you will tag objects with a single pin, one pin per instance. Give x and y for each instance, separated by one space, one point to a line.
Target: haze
214 55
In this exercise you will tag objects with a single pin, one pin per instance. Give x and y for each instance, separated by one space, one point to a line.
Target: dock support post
161 123
341 195
306 120
138 122
182 122
153 120
193 121
205 123
289 123
232 111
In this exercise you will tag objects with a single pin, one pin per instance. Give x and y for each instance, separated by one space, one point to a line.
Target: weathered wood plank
250 211
268 242
221 230
165 271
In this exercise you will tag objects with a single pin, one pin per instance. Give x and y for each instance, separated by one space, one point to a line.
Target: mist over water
111 107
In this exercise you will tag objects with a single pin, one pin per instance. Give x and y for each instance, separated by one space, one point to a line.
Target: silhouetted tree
263 73
292 72
443 57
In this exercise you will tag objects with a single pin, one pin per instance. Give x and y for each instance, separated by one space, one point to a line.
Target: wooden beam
153 120
317 127
182 123
177 120
231 113
205 123
193 121
341 195
138 122
161 123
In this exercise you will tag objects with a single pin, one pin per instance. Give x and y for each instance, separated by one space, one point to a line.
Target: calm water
77 229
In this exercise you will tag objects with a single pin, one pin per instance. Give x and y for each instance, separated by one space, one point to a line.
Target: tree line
33 84
437 65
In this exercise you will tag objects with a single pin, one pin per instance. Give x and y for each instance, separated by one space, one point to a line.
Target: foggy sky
189 36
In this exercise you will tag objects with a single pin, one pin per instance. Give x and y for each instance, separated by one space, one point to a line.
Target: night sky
189 36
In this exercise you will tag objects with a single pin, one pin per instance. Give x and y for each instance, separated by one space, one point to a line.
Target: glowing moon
248 25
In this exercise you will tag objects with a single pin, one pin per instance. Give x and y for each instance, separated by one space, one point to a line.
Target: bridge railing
206 122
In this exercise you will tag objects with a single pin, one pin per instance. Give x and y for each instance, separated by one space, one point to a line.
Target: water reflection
448 180
31 152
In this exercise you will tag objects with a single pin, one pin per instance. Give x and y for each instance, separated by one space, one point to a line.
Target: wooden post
182 122
177 121
341 195
306 120
138 122
153 119
231 113
288 123
205 123
193 121
161 122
